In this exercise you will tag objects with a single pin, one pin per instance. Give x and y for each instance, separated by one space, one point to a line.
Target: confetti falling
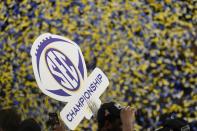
148 50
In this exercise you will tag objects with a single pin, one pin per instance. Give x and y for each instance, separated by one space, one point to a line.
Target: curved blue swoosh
59 92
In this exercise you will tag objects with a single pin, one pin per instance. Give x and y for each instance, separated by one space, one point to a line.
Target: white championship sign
61 73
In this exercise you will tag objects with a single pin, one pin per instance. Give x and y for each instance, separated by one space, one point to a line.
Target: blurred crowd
147 48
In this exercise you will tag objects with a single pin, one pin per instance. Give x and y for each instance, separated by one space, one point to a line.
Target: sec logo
62 69
61 73
59 66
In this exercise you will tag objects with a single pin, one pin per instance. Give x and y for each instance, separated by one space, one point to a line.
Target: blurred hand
127 115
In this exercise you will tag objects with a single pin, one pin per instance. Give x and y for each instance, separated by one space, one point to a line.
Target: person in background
54 123
173 123
9 120
29 125
113 117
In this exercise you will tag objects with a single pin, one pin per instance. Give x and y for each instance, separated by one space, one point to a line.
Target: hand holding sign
60 72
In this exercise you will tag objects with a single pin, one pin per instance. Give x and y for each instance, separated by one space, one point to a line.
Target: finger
122 112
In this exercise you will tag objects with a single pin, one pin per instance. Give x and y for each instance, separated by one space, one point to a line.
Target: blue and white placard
61 73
